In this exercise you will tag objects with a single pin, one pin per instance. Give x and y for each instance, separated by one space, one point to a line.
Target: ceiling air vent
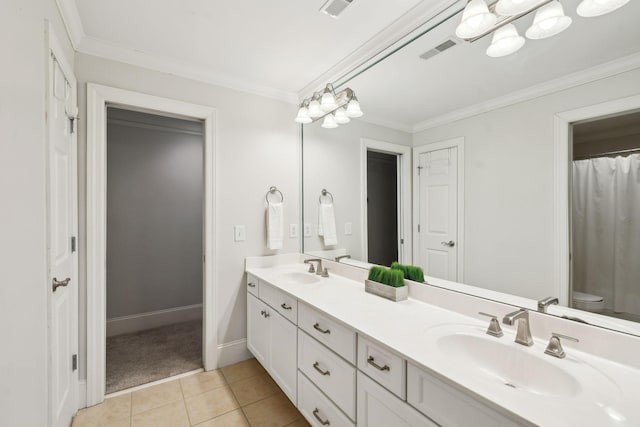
447 44
334 8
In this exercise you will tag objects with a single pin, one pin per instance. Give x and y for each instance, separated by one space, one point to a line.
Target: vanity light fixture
549 21
592 8
506 41
476 19
336 108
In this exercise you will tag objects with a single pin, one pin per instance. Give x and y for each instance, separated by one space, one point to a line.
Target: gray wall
155 195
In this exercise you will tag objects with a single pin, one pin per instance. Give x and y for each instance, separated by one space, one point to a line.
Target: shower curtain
606 230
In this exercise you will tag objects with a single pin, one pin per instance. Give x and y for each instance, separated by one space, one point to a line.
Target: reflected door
382 208
437 227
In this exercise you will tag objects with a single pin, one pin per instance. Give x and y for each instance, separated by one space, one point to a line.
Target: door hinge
74 362
419 169
402 241
73 243
418 228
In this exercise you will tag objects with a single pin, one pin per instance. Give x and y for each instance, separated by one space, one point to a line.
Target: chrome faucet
338 258
318 270
523 334
546 302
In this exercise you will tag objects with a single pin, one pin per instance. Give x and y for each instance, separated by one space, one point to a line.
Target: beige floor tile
112 410
155 396
210 404
274 411
170 415
230 419
125 422
204 381
253 389
299 423
240 371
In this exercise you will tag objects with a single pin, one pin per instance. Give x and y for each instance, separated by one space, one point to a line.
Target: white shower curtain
606 230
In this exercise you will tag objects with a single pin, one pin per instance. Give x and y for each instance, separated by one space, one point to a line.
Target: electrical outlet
293 231
348 229
307 230
239 233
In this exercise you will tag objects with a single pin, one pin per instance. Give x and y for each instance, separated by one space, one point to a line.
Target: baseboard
233 352
82 394
153 319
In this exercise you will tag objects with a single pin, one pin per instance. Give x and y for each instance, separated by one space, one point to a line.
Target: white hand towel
327 224
274 225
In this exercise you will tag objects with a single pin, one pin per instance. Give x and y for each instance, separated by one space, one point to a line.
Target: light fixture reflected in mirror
328 100
314 109
335 108
476 19
506 41
549 21
353 108
341 116
329 122
593 8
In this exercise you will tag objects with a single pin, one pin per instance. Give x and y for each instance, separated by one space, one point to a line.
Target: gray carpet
146 356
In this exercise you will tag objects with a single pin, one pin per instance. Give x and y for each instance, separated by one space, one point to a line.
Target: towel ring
324 192
273 190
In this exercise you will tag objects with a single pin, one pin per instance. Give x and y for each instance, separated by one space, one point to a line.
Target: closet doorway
123 240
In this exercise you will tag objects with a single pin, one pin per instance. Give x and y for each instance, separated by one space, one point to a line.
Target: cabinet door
258 329
377 407
282 360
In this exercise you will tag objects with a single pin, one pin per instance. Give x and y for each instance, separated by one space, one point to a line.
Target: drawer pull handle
318 328
285 306
316 366
323 422
371 361
264 313
251 285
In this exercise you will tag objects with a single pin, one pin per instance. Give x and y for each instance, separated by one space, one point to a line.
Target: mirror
463 163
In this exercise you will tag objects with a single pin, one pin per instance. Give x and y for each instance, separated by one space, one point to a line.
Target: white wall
509 185
257 146
332 161
23 295
155 193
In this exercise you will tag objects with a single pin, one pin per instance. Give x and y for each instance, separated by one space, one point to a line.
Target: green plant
386 276
410 272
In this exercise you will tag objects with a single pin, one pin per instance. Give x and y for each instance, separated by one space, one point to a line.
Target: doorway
155 193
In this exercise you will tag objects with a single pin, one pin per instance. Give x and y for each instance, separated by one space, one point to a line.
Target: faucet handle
554 348
494 328
544 303
311 268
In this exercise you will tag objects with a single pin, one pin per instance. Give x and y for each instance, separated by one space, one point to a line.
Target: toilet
588 302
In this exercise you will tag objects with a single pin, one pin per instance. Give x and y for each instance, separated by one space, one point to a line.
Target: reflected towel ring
324 192
273 190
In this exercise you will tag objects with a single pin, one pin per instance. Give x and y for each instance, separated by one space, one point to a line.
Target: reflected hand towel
327 224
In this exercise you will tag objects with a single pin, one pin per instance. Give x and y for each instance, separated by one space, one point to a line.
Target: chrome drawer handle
323 422
285 306
316 366
318 328
251 285
371 361
57 283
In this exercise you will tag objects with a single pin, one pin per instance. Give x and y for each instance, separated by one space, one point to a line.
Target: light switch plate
307 230
348 229
293 230
239 233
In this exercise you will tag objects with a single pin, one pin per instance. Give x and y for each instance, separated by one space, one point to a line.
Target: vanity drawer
283 303
448 406
316 407
334 335
252 284
335 377
382 365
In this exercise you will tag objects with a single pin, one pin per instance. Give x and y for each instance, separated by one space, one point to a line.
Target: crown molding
71 18
598 72
389 124
99 48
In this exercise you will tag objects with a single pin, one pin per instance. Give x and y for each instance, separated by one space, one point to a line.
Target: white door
258 329
283 358
62 280
438 210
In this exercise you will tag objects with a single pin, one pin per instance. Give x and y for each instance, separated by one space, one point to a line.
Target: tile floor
240 395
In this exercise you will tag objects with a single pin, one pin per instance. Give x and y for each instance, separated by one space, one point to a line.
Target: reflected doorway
382 207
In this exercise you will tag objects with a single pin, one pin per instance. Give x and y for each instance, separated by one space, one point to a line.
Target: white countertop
407 325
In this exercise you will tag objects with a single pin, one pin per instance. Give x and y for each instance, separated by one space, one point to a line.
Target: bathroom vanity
348 358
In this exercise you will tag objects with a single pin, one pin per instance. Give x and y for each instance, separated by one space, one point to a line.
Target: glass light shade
353 109
514 7
341 116
328 102
303 116
314 109
476 19
549 21
329 122
591 8
506 41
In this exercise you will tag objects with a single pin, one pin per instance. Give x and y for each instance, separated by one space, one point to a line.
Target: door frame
98 98
562 159
435 146
404 194
56 50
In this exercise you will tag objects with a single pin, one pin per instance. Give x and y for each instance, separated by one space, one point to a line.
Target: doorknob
57 283
450 243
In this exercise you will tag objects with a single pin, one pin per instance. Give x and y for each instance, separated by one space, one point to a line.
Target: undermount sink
295 277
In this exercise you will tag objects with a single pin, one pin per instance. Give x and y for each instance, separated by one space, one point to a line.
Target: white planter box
385 291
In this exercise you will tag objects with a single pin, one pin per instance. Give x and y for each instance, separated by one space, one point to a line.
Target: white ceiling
278 46
410 93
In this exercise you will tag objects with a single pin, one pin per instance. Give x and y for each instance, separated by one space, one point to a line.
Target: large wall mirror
518 175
